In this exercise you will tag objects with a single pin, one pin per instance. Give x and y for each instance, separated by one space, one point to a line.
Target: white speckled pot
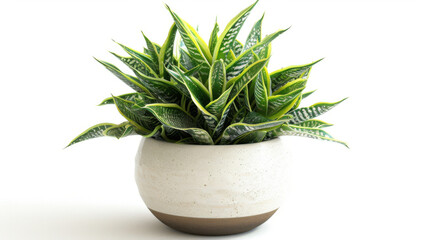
212 189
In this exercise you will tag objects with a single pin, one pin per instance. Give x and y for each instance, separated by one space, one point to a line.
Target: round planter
212 189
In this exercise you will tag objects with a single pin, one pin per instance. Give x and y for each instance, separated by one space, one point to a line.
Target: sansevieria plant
219 92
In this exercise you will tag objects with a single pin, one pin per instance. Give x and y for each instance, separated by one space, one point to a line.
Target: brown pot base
212 226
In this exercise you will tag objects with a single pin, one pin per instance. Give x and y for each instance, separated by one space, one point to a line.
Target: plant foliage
215 93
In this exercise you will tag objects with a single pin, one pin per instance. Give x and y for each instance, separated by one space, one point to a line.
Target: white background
376 52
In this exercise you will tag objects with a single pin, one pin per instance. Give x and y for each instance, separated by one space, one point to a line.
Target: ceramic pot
212 189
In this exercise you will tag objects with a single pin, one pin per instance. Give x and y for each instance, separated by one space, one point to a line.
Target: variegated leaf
153 52
303 114
237 48
195 53
261 92
200 96
237 130
133 64
127 79
314 123
185 60
132 97
306 94
160 88
92 132
144 59
139 118
291 86
280 104
230 57
253 137
236 67
314 133
173 116
280 77
247 75
254 36
213 38
121 130
216 107
217 80
228 36
166 54
193 72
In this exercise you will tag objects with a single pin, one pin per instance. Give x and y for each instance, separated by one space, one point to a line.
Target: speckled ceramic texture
217 181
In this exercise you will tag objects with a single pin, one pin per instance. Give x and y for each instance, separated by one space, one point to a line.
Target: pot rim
274 140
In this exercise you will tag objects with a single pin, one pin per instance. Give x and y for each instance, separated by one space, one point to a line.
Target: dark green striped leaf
132 97
121 130
261 92
139 118
237 48
217 80
280 104
127 79
314 123
230 33
306 94
254 36
236 130
285 75
213 38
166 54
291 86
144 60
314 133
92 132
185 60
303 114
216 107
236 67
153 52
173 116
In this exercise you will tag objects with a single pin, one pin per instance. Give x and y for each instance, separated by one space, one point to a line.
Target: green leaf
247 75
144 60
185 60
237 47
132 97
254 36
92 132
153 52
166 54
314 133
121 130
253 137
230 57
172 115
139 118
193 71
303 114
291 86
217 80
236 67
230 33
285 75
314 123
127 79
191 43
133 64
213 38
261 92
237 130
280 104
216 107
162 89
200 96
306 94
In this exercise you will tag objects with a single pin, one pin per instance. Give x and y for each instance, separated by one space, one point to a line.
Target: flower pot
212 189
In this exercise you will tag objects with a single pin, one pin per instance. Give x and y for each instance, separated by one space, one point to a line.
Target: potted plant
211 161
